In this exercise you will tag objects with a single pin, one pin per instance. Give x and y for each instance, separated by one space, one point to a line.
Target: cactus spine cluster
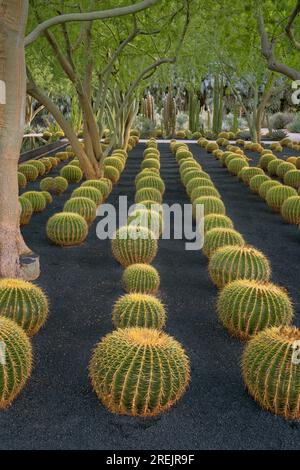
67 229
220 237
72 173
141 278
82 206
89 192
139 310
133 245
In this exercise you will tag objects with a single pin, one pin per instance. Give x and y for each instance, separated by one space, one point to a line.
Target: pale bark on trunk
13 18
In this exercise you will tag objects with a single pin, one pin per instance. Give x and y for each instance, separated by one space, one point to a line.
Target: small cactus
211 147
148 194
270 374
247 173
103 185
47 184
24 303
264 188
292 178
26 210
139 310
290 210
190 175
256 182
212 221
236 165
73 174
220 237
83 206
146 218
132 245
188 165
22 180
212 205
265 159
247 307
151 151
29 171
115 162
276 196
112 174
238 262
60 185
183 155
273 165
41 168
67 229
197 183
150 163
37 200
151 182
47 163
147 172
16 369
141 278
89 192
203 191
153 377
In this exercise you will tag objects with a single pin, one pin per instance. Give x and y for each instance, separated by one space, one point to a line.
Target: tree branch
288 29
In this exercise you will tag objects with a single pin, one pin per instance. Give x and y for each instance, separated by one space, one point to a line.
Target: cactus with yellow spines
197 183
122 152
47 162
15 370
132 245
284 168
29 171
103 185
67 229
83 206
62 156
147 376
24 303
292 160
232 156
54 162
264 188
151 182
256 182
38 165
115 162
247 173
212 221
265 159
247 307
139 310
73 174
148 194
290 210
147 172
150 163
219 237
147 218
277 195
270 373
236 165
151 151
292 178
212 205
152 156
89 192
183 155
273 166
211 147
47 196
112 174
189 175
22 180
203 191
26 210
37 200
47 184
190 163
149 205
231 263
60 185
75 162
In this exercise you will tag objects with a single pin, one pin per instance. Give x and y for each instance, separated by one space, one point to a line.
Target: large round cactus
148 172
236 165
139 371
141 310
265 159
150 151
132 245
256 182
276 196
247 173
292 178
248 307
148 194
16 363
112 174
150 163
212 221
47 196
72 173
47 163
219 237
37 200
41 168
89 192
273 165
230 263
115 162
24 303
189 176
270 370
141 278
60 185
290 210
151 182
67 229
147 218
204 191
29 171
212 205
264 187
284 168
104 185
26 210
47 184
83 206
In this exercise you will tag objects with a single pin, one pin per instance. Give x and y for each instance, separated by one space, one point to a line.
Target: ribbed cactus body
220 237
29 171
212 205
89 192
265 159
101 185
231 263
271 373
273 165
188 176
150 163
16 367
112 174
148 194
115 162
276 196
38 165
83 206
232 156
151 182
47 162
133 245
149 373
236 165
290 210
284 168
141 278
149 205
247 173
183 155
72 173
266 186
62 156
197 183
47 184
247 307
148 172
151 151
292 178
54 162
60 185
122 152
256 182
37 200
24 303
212 221
212 146
67 229
147 218
22 180
189 165
26 210
204 191
139 310
48 197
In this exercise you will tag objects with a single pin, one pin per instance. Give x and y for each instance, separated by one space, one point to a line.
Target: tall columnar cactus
264 188
247 173
83 206
16 366
292 178
37 200
141 278
26 210
247 307
132 245
67 229
290 210
231 263
29 171
139 310
276 196
220 237
212 221
212 205
89 192
148 194
270 372
256 182
22 180
72 173
139 371
24 303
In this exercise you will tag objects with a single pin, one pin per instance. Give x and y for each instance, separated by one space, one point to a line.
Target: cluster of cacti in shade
156 372
249 306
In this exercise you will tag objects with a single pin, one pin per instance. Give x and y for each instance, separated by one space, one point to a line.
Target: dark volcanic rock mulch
58 409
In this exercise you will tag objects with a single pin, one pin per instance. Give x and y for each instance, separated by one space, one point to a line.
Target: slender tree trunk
13 19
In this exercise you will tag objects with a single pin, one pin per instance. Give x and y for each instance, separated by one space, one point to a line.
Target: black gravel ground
58 409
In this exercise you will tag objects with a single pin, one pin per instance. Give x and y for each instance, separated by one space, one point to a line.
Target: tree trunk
13 17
